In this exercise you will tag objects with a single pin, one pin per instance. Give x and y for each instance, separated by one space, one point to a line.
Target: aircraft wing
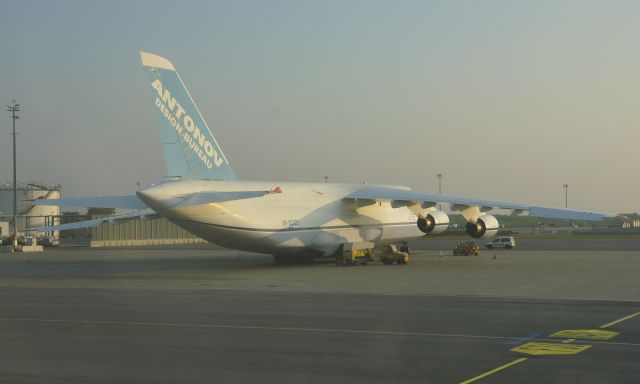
401 197
147 215
122 202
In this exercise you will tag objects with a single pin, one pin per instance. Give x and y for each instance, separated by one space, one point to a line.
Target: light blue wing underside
121 202
134 202
147 215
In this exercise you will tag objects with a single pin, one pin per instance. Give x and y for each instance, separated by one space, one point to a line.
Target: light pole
13 109
566 195
440 188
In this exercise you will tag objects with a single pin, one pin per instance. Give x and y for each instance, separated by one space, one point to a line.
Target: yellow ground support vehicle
355 253
467 248
363 253
392 255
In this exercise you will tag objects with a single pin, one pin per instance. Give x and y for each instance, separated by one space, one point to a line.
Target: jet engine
485 227
433 223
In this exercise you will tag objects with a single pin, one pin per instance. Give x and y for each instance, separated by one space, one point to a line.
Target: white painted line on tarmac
259 327
298 329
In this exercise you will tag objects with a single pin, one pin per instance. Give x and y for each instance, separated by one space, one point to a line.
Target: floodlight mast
440 188
13 108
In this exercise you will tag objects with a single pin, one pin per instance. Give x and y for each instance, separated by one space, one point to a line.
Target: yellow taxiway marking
541 349
620 320
589 334
491 372
563 348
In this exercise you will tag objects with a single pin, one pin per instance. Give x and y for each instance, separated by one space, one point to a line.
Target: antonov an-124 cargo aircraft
203 195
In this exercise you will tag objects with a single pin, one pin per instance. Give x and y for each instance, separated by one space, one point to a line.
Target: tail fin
190 150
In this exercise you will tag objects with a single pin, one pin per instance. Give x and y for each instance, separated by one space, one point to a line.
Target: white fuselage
303 218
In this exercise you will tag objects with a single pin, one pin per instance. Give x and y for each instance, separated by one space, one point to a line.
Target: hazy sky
507 99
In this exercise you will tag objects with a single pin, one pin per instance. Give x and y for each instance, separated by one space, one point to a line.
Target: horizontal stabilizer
95 222
122 202
215 197
76 225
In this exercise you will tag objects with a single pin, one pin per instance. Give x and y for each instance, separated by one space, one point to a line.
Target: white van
506 242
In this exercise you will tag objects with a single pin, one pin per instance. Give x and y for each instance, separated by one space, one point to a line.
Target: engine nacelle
434 223
485 227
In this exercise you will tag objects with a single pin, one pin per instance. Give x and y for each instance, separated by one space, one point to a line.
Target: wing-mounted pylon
355 203
417 207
